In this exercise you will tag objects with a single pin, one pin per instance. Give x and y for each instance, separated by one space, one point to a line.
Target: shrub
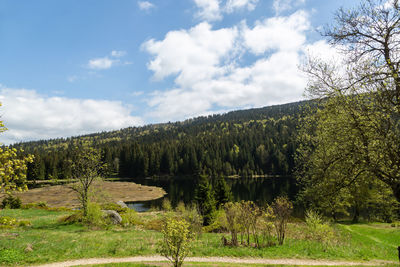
8 221
194 218
219 225
11 202
282 208
113 206
155 224
176 242
130 218
232 213
24 223
180 207
166 205
94 215
318 229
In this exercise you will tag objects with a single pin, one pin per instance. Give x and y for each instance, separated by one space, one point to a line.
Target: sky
72 67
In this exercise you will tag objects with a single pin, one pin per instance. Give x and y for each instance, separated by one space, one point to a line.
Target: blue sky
70 67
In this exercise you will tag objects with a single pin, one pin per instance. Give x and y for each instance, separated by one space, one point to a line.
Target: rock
113 216
29 248
122 204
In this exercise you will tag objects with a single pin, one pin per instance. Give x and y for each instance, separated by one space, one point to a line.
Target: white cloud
209 10
116 53
101 63
284 5
213 10
232 5
31 116
198 56
278 33
145 5
106 62
209 75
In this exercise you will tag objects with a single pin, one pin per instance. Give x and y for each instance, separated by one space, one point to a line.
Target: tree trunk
356 214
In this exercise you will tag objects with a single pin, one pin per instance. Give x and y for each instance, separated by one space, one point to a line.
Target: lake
260 190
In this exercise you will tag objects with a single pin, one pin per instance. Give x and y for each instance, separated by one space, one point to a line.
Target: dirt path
294 262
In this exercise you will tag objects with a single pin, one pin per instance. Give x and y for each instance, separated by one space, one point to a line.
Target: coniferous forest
239 143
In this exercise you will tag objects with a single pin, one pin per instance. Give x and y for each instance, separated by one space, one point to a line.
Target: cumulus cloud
278 33
101 63
31 116
107 62
209 10
213 10
118 53
284 5
209 75
145 5
232 5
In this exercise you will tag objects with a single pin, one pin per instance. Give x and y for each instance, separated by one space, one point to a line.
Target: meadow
48 239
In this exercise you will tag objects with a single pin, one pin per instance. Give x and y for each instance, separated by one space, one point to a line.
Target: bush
8 221
282 208
39 205
11 202
176 243
156 225
166 205
193 217
318 229
219 225
113 206
130 218
94 215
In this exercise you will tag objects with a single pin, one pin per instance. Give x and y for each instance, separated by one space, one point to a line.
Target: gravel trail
294 262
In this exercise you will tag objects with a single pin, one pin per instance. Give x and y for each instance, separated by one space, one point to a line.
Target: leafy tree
86 167
356 130
12 167
176 242
282 208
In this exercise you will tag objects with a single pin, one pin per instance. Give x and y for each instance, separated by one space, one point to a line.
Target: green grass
53 241
194 264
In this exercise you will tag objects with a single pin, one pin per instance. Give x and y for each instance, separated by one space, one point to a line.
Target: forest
239 143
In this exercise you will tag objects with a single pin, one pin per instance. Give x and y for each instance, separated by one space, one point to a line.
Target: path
294 262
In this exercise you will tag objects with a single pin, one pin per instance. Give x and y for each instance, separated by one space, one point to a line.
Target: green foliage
8 221
282 208
13 167
318 229
10 256
176 243
114 206
11 202
86 167
205 200
166 204
130 218
194 218
94 216
222 192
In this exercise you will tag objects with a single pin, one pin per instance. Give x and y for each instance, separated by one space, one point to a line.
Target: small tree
86 167
282 208
205 200
12 167
176 243
232 212
222 192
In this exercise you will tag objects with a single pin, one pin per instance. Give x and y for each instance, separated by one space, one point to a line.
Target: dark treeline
248 142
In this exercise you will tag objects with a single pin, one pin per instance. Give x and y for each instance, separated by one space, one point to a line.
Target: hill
245 142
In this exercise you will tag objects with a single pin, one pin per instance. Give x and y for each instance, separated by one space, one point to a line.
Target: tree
86 167
176 242
13 167
356 131
282 208
205 200
222 192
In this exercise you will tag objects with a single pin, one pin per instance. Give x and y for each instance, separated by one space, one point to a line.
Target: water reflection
260 190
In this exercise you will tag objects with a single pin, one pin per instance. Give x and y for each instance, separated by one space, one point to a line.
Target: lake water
260 190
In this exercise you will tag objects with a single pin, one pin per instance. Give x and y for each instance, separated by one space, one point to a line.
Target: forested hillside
247 142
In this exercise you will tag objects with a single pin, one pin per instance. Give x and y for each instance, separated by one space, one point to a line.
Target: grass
53 241
194 264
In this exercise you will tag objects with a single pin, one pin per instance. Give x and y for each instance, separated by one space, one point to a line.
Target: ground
64 196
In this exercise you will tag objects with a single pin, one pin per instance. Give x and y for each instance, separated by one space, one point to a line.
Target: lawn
52 241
